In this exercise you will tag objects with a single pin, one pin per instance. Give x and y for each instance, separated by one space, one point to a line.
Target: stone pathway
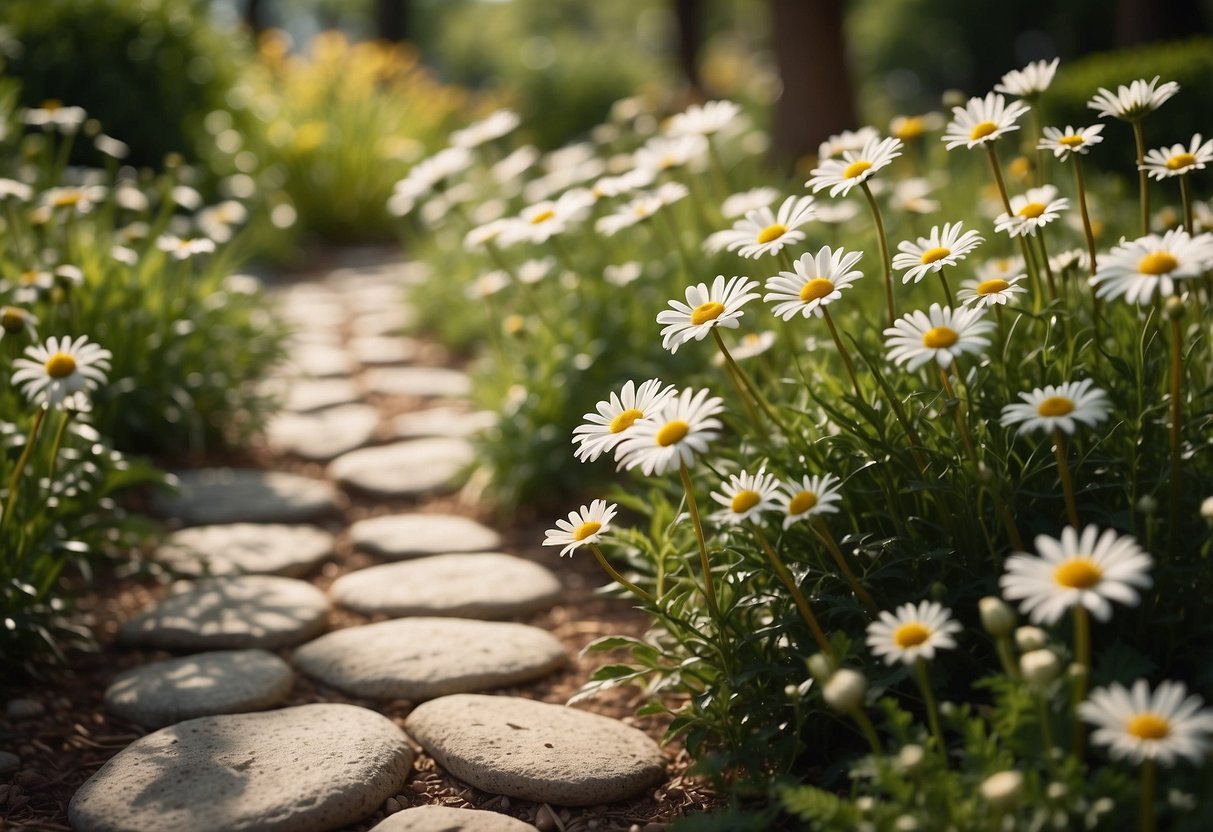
258 732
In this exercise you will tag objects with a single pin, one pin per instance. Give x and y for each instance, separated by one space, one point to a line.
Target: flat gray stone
210 496
442 421
220 682
231 613
304 395
424 382
536 751
421 658
487 585
416 467
323 434
399 536
382 322
303 769
448 819
317 360
246 549
381 350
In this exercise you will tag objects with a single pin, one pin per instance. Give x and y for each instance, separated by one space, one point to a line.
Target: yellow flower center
1180 161
66 200
982 129
772 232
12 319
911 634
1149 726
934 255
1158 262
816 289
28 278
586 529
705 312
1078 573
1055 406
672 433
1032 210
743 501
910 127
802 502
939 338
992 286
856 168
625 420
52 104
1071 141
542 217
60 365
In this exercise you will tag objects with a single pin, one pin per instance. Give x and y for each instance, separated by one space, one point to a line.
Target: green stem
1063 471
867 729
618 578
744 382
802 603
998 180
708 590
947 290
1146 818
1185 193
1046 727
1143 181
1176 417
1082 653
886 265
823 534
924 684
1044 263
20 467
1087 231
55 445
842 351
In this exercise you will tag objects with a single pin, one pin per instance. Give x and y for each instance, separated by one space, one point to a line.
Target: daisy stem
708 590
1063 471
867 729
885 264
67 418
1046 726
615 576
1082 654
1090 235
719 175
998 180
823 534
1143 181
1147 820
947 290
958 413
1006 656
743 382
924 684
20 467
802 603
1045 265
1176 416
1033 273
842 351
1185 193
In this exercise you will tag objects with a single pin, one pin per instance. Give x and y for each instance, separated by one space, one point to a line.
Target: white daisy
911 196
1030 81
982 121
621 274
218 221
748 346
1058 407
482 235
427 175
582 528
662 153
510 169
940 334
1000 267
605 429
534 270
945 247
14 319
1177 160
855 166
681 428
641 208
838 144
740 204
1070 140
492 127
1132 102
1152 264
810 497
763 231
624 183
1140 725
1069 260
703 119
1031 210
915 631
982 294
81 199
29 285
907 128
746 496
817 281
61 373
546 219
1090 569
705 308
183 248
18 190
53 115
487 284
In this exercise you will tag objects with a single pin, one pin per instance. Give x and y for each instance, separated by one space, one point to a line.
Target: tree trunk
810 54
1143 21
391 17
254 16
690 17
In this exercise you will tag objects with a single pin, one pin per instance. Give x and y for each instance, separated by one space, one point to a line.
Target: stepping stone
421 658
220 682
303 769
312 360
323 434
485 586
246 549
244 495
304 395
382 322
378 350
231 613
443 421
399 536
417 467
536 751
424 382
447 819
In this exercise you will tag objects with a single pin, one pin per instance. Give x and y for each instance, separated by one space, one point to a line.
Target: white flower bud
1039 668
1147 504
1003 790
1056 791
1030 638
910 758
906 823
845 690
997 617
1206 509
821 666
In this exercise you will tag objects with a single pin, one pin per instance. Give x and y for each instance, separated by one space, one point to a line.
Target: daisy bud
910 758
997 617
1206 509
906 823
791 692
1174 308
1039 668
1147 504
953 98
1076 672
1003 790
1030 638
821 666
1056 791
865 804
845 690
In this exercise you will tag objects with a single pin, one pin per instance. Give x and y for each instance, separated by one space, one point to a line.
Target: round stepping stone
421 658
320 361
399 536
447 819
246 549
220 682
417 467
323 434
243 495
426 382
383 322
442 421
302 769
231 613
379 350
304 396
487 585
536 751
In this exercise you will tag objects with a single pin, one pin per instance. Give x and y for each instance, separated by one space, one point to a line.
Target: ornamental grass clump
837 638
